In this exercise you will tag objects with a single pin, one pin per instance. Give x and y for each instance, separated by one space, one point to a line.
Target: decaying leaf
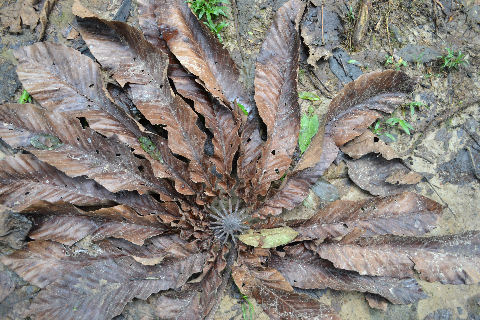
276 97
304 270
268 238
433 258
381 177
368 143
277 298
137 172
405 214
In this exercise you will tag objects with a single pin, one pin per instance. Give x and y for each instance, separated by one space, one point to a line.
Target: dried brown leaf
197 49
297 186
407 214
451 259
400 177
349 115
144 68
276 95
77 151
25 180
371 173
102 289
42 262
367 143
304 270
49 72
196 300
277 298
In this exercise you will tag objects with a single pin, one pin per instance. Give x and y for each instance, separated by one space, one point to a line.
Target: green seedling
308 96
377 129
415 105
397 64
25 97
211 10
452 60
308 129
400 123
247 314
351 14
242 107
355 62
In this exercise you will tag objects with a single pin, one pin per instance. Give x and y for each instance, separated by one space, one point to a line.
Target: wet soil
444 146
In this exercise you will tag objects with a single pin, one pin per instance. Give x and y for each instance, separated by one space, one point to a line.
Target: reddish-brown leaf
196 300
77 151
277 298
68 229
407 214
304 270
375 175
25 180
50 73
276 95
42 262
349 115
296 187
196 48
144 68
102 289
368 143
219 119
449 259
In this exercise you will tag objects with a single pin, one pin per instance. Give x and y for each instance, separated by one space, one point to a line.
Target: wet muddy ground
444 146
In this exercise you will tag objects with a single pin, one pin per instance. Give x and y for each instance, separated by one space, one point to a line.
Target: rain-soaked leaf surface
275 95
381 177
304 270
355 108
448 259
123 182
276 296
404 214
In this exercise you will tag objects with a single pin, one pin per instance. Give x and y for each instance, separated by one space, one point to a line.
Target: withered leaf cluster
129 168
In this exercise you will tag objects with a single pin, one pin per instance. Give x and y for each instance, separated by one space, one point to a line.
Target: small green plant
247 314
378 129
400 123
308 129
351 14
355 62
452 60
242 107
415 105
308 96
25 97
211 10
397 64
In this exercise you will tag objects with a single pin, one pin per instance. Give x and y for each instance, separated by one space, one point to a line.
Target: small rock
344 71
416 53
440 314
326 191
9 83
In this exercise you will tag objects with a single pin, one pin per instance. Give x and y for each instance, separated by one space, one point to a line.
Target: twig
473 164
438 195
430 185
323 39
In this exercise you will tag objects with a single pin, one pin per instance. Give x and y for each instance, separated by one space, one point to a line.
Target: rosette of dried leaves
138 172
